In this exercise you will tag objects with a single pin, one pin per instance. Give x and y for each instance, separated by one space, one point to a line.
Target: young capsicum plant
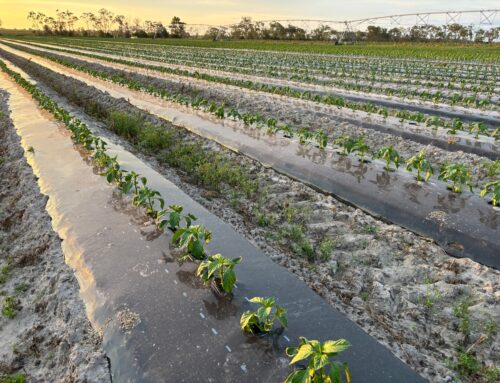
261 321
322 368
421 164
219 271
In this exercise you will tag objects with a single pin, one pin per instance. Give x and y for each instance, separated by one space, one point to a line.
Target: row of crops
453 125
215 270
457 174
464 84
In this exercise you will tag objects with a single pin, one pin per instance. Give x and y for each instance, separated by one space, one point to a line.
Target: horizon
222 12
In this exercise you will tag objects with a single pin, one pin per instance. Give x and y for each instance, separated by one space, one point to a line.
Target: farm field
365 179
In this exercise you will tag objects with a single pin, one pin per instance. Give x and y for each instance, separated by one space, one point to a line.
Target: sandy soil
44 331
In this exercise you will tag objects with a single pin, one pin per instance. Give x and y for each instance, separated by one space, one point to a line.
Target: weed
4 272
364 295
326 249
261 321
9 307
30 150
431 297
461 311
124 124
264 220
13 378
21 288
371 229
466 364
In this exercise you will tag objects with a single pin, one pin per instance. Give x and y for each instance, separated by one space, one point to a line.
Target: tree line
105 23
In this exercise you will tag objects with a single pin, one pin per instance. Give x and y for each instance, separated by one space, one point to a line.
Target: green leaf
304 351
228 281
335 373
335 346
300 376
245 319
319 361
257 300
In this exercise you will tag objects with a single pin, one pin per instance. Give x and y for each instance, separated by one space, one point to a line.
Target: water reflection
221 308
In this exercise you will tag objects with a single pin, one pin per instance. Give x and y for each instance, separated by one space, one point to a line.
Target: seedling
346 143
192 239
174 218
456 124
234 114
113 173
433 121
321 367
478 128
304 136
261 321
492 188
389 155
271 123
361 148
101 159
458 174
219 271
421 164
287 131
219 112
147 197
130 183
321 139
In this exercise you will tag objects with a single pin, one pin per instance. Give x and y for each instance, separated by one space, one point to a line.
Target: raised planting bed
158 323
463 224
360 101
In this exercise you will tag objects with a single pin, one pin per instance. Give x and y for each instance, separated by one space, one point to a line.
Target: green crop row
453 125
216 270
457 174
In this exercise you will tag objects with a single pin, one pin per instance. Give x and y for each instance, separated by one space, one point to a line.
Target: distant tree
37 20
213 33
276 31
177 28
245 29
376 33
105 20
492 34
295 33
323 32
396 34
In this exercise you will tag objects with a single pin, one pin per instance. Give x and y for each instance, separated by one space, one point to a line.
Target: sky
13 12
